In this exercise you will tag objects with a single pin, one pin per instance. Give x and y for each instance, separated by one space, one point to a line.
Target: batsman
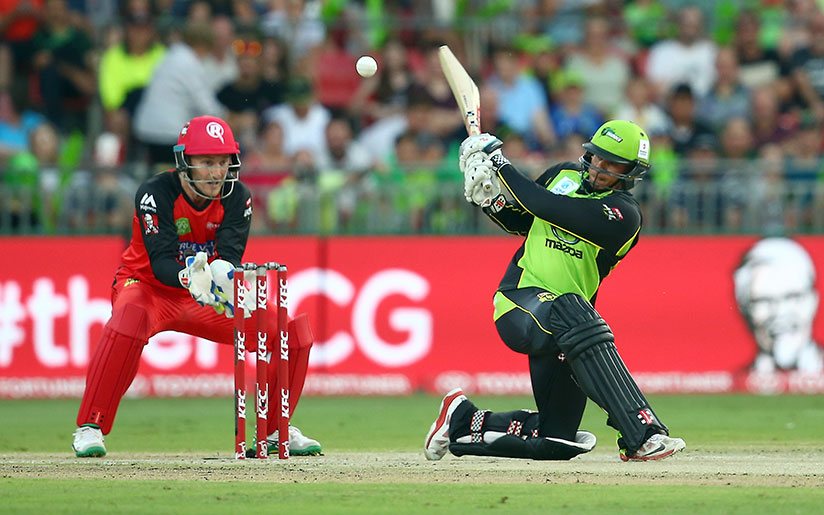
190 227
578 221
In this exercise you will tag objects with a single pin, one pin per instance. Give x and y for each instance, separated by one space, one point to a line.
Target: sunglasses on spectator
252 48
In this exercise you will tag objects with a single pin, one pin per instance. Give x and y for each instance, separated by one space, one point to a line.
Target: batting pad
589 348
505 445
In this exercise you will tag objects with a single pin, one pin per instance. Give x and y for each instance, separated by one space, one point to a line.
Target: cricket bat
466 93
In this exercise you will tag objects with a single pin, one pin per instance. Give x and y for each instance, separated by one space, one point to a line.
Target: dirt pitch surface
799 468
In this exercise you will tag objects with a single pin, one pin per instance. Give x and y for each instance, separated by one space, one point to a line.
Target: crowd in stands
93 94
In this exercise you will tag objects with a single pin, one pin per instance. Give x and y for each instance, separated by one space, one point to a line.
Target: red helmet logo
207 135
215 130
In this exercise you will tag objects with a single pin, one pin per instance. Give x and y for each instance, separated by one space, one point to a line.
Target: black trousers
559 400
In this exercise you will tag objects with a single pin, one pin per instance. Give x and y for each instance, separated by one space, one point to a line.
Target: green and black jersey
574 237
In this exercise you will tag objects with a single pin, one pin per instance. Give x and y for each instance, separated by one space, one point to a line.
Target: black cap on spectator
139 18
682 89
298 89
705 141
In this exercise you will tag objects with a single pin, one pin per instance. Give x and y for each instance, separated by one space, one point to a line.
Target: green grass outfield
35 433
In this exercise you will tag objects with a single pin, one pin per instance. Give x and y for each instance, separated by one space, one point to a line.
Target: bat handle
487 185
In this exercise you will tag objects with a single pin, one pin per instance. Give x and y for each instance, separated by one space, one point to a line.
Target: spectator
758 66
19 20
303 119
522 105
332 66
737 151
17 121
63 64
769 200
32 181
698 200
250 94
727 98
769 124
639 107
296 23
805 154
99 197
570 114
126 68
604 71
176 94
685 128
271 176
385 94
689 58
274 61
221 63
646 22
380 138
430 81
347 163
545 65
807 64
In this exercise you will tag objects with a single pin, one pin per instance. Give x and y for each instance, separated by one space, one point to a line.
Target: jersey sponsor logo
190 248
183 226
613 213
147 203
564 186
215 130
247 213
557 245
565 236
150 224
130 282
212 226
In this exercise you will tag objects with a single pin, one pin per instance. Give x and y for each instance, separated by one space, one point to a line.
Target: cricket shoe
299 444
656 447
88 442
437 440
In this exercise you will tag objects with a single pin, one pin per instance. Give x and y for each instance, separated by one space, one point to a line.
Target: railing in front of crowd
722 197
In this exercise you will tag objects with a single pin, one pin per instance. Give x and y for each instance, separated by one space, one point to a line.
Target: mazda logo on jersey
564 236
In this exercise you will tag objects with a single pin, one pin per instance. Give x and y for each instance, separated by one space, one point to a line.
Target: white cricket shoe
88 442
299 444
437 440
656 447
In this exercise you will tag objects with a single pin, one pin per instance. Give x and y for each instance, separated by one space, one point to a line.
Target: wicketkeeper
188 222
579 221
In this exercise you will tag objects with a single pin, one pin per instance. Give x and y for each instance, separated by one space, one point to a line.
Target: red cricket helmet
207 135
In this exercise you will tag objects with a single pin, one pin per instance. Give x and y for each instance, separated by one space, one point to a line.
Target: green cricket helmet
618 141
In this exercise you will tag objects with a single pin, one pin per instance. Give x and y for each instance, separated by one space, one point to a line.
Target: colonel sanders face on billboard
775 291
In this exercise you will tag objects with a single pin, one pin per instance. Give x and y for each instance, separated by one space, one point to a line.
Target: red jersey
167 228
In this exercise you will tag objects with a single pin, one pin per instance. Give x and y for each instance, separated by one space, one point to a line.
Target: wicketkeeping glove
223 275
197 278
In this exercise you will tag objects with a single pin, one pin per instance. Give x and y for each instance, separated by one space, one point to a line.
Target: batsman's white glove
478 144
197 278
223 275
481 183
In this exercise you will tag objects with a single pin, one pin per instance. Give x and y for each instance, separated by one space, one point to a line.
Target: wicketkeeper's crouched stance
188 231
579 221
